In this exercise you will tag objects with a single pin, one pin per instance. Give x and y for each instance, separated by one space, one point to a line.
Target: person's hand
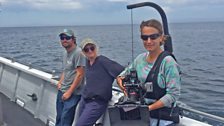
149 107
125 93
66 95
59 86
120 84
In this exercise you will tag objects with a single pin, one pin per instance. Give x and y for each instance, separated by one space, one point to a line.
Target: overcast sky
91 12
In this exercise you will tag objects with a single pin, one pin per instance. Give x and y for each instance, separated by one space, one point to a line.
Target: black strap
157 64
158 122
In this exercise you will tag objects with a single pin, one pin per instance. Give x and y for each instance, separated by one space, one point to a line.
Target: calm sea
199 48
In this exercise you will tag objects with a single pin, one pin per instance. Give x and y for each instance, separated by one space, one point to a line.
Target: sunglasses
152 36
88 48
65 37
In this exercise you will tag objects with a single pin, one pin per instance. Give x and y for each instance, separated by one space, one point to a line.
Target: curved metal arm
168 43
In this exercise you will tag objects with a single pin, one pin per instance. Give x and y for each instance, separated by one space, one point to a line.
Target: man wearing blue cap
71 80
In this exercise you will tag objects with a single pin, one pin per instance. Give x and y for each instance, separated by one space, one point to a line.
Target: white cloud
93 5
56 5
180 2
45 4
177 1
167 9
194 2
176 10
117 0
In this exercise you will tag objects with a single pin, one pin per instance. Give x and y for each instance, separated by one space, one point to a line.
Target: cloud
102 6
55 4
198 3
103 11
182 3
118 0
167 9
177 2
42 4
64 5
1 1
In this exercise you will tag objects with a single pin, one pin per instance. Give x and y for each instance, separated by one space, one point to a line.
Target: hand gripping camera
133 87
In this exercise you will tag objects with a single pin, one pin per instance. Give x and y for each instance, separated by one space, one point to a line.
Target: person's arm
78 78
113 68
60 81
158 104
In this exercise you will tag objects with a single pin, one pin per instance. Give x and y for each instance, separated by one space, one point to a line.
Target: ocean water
198 47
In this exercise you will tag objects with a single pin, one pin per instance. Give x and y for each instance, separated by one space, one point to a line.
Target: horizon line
69 25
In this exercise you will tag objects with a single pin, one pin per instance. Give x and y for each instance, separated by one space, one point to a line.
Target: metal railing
1 113
206 115
32 89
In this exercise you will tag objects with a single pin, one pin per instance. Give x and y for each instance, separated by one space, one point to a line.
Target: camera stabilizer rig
133 88
131 109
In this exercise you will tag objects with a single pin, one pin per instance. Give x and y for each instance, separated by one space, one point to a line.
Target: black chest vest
153 77
164 113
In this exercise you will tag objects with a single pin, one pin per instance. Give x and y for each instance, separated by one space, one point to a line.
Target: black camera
133 88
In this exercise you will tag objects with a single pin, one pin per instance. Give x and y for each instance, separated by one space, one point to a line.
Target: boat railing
30 88
33 66
1 113
203 116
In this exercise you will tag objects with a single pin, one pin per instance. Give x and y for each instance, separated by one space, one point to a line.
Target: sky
15 13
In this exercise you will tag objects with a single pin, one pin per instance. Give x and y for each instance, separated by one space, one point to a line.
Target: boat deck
13 115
